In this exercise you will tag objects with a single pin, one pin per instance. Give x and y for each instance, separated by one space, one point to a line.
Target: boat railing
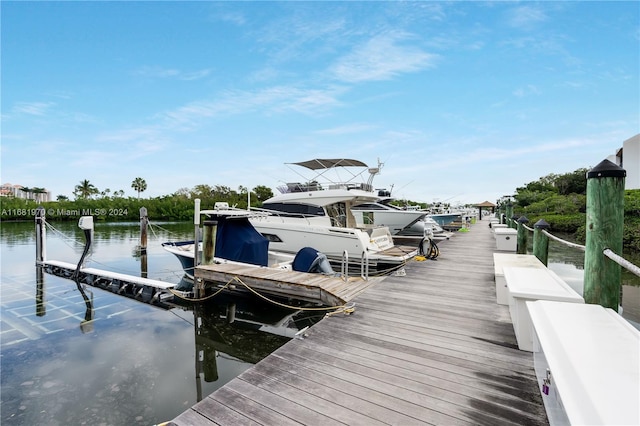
364 265
344 267
293 187
606 252
541 249
282 215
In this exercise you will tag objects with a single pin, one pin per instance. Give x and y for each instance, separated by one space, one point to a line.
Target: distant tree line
114 206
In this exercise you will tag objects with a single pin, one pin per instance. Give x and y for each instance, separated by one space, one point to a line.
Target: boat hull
333 241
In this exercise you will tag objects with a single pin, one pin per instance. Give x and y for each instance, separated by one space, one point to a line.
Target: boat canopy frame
323 165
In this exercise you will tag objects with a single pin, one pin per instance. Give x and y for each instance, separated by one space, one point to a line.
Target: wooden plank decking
332 291
432 347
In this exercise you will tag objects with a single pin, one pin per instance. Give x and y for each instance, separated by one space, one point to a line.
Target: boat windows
368 206
338 214
272 238
295 209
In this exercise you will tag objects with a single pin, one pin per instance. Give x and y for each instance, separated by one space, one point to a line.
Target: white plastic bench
591 356
502 260
533 284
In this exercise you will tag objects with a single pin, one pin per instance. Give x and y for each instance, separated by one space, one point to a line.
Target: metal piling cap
542 224
606 169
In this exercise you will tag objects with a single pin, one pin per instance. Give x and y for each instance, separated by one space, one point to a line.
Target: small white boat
382 213
237 241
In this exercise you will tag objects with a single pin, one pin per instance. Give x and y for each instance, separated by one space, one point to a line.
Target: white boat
399 221
319 213
237 241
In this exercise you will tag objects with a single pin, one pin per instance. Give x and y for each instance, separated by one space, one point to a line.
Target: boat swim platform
432 347
147 290
318 288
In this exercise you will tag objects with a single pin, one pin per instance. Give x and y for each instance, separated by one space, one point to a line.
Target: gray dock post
604 229
541 241
144 220
41 236
197 284
196 236
210 228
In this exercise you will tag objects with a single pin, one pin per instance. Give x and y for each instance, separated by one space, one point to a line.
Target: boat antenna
374 171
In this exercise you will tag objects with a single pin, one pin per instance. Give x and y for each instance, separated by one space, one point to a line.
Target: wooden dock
431 347
331 291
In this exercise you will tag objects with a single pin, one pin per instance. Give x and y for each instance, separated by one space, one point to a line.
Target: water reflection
101 358
242 328
568 263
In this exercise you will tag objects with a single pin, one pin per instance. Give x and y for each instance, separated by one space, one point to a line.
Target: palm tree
38 193
139 185
85 189
27 191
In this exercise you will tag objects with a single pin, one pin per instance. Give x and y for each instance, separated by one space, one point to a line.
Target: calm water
568 263
133 363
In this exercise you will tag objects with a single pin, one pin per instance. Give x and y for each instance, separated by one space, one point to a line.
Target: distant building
19 191
628 157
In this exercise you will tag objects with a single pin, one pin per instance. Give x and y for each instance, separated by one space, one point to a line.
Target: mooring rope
347 309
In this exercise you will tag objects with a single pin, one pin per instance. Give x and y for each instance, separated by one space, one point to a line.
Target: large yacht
318 213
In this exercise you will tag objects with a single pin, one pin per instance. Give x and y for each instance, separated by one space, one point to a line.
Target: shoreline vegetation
558 199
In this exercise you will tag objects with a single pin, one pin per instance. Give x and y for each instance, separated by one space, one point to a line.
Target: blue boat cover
237 239
311 260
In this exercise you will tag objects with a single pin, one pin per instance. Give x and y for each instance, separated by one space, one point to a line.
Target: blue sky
462 101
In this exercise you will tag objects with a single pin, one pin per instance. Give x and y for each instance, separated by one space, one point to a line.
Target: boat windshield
294 209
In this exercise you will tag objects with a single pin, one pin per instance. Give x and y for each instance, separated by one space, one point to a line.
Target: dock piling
604 230
521 247
41 236
541 241
210 228
144 220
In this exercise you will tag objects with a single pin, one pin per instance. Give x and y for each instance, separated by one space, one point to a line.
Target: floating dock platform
331 291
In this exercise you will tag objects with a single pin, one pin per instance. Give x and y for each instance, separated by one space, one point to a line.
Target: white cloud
159 72
528 90
276 99
32 108
347 129
382 58
525 17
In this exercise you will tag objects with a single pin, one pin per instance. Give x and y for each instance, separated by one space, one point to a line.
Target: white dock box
506 239
527 284
592 357
495 226
503 260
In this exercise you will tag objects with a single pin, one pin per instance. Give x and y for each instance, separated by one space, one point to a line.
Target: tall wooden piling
541 241
41 236
210 228
508 213
604 228
521 247
144 221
